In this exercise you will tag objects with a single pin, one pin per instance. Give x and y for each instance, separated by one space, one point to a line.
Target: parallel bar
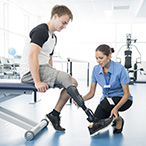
70 68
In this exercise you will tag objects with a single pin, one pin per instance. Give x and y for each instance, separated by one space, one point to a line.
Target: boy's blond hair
61 10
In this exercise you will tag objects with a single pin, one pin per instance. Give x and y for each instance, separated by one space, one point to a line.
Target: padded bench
18 88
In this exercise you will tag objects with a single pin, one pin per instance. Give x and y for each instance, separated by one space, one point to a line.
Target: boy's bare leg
64 97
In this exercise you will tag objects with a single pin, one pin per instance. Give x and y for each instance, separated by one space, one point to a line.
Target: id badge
110 101
107 86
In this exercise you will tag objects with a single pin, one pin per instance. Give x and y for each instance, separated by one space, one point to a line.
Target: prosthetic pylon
73 92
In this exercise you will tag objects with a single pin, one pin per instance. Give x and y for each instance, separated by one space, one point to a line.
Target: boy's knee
75 82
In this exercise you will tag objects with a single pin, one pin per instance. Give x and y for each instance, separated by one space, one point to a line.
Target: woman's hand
114 112
76 103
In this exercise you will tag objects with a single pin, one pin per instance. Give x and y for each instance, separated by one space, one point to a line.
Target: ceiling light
121 8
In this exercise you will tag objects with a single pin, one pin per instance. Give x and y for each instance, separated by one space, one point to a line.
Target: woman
114 79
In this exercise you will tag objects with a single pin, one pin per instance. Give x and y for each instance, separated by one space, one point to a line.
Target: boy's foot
99 126
55 121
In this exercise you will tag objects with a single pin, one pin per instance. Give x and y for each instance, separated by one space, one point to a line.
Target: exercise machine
128 60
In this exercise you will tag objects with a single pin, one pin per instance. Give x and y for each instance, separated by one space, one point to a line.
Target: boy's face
61 22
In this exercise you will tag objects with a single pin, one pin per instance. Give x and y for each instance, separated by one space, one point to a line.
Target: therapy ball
12 51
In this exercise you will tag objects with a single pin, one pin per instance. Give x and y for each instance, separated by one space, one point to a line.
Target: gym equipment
128 59
13 90
73 92
9 68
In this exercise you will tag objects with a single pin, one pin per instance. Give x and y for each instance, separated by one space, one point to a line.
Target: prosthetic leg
73 92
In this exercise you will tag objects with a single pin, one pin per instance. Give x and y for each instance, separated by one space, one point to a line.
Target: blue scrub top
118 77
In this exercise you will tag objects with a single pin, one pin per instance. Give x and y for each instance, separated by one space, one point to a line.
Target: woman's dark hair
105 49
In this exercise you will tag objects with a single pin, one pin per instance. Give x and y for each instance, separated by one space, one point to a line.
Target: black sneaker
55 121
100 126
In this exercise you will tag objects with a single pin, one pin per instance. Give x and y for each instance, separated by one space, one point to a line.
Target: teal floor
74 120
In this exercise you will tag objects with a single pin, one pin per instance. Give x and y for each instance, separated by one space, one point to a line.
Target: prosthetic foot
73 92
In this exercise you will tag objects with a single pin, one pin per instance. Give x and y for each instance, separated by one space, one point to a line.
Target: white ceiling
90 11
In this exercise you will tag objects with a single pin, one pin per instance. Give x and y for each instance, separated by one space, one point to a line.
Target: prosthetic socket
73 92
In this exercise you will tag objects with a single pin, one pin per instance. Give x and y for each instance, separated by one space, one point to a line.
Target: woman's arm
122 101
91 93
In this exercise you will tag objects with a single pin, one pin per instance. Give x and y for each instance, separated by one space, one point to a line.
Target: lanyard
111 102
107 83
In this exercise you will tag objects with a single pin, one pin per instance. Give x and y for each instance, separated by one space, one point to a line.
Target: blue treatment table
12 90
19 88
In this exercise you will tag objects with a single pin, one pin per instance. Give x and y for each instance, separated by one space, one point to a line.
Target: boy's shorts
47 75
